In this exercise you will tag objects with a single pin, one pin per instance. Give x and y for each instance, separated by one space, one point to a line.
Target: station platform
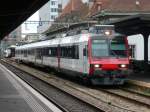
17 96
144 77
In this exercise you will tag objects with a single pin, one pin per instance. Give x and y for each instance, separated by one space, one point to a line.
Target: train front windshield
118 47
109 48
100 48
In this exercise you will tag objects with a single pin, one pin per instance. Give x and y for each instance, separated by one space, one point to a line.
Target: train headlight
123 66
96 66
107 32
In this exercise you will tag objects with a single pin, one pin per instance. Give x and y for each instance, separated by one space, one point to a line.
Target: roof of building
74 12
74 5
125 6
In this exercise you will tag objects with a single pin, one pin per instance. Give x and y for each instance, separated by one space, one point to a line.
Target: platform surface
144 77
14 97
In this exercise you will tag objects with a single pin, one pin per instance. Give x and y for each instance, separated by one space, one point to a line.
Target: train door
85 59
58 56
39 57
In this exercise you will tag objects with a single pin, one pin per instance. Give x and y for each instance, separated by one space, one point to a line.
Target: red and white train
98 55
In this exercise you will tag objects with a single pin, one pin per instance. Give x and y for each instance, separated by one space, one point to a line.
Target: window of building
53 2
54 10
52 17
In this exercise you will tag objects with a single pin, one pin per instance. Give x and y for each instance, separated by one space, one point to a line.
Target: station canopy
14 12
136 24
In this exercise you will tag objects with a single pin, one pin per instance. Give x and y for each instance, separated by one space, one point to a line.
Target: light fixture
96 66
137 2
107 33
123 66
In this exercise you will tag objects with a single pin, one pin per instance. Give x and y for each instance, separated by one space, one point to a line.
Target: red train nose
109 67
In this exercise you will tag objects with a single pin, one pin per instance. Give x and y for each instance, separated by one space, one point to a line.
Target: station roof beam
14 12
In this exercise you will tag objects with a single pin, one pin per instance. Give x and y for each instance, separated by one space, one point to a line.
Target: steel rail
43 93
121 96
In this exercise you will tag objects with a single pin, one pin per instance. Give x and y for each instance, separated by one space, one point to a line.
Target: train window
46 51
25 53
49 52
29 52
22 52
32 52
39 53
43 51
84 52
100 48
54 51
71 52
63 52
118 47
76 51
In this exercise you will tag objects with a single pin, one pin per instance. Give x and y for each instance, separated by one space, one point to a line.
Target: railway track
129 96
114 100
63 100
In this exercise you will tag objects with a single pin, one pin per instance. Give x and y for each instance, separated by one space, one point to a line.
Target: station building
48 13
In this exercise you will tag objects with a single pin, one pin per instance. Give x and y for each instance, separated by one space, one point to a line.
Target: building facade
14 37
31 37
47 14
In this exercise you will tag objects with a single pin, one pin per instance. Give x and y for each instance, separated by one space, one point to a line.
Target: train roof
12 46
56 41
63 41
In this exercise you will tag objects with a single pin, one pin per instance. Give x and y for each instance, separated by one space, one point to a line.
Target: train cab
108 57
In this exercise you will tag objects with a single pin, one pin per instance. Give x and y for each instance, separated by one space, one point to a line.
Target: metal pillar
145 34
